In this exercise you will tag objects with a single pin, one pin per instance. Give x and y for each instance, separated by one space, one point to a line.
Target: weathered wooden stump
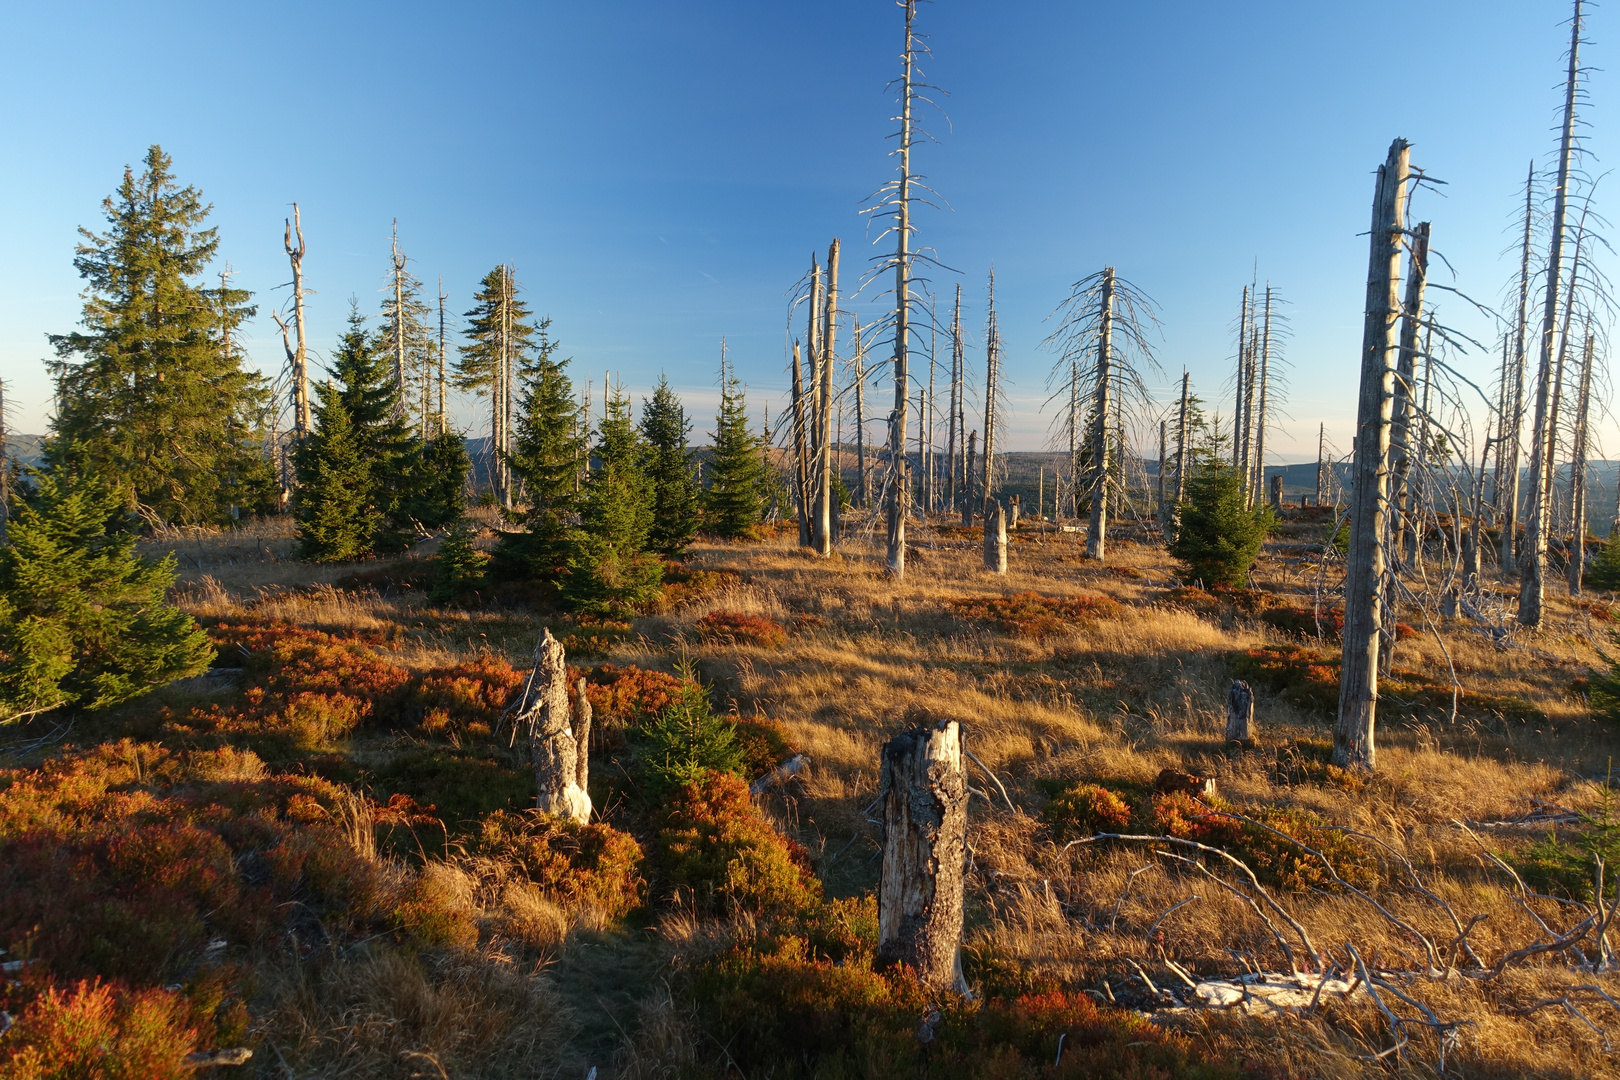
1015 510
995 537
1170 781
1240 713
924 793
558 745
1277 494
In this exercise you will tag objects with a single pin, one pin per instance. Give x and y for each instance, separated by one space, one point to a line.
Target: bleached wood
920 890
1097 533
1353 737
555 743
1533 559
1507 493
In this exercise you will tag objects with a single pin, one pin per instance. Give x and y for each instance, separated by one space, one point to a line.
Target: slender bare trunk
801 465
1181 438
829 335
991 389
1321 454
896 566
1097 534
967 502
1577 470
1164 433
1513 419
1533 560
1405 383
1265 386
953 444
300 364
1242 367
1353 738
860 419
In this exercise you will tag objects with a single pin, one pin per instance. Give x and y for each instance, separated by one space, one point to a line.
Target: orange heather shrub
98 1031
1085 809
717 846
574 864
738 628
467 697
1029 614
622 696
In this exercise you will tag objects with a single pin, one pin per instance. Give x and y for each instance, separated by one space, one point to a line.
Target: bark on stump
1015 510
559 745
995 537
1277 494
924 793
1240 713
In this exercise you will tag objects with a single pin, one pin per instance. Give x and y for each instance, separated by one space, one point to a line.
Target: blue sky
660 173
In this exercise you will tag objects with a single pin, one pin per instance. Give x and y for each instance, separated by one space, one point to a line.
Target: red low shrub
1086 809
466 698
738 628
1029 614
98 1031
716 847
575 864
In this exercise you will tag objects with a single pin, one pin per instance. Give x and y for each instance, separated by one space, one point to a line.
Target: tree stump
924 793
1015 510
1277 494
558 746
995 537
1240 713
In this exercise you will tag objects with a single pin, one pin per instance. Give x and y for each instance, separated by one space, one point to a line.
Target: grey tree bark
801 462
300 362
1240 714
1533 560
1577 470
899 487
1507 492
995 536
967 499
924 793
1400 430
1353 741
824 437
1097 533
558 745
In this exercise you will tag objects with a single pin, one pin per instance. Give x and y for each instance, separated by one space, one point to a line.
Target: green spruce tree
150 393
337 516
735 497
1219 536
549 447
363 464
665 430
83 618
610 571
458 567
438 480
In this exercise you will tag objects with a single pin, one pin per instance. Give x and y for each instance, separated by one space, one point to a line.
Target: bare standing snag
558 744
924 794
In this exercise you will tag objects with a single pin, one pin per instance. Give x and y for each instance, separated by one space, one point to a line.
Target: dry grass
1111 700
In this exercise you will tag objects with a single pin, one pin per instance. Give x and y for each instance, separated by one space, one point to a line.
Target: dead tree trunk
992 375
860 419
557 745
824 408
995 536
1321 453
1181 439
967 501
1577 470
953 434
801 462
1264 405
1097 534
920 892
1533 560
1164 436
1507 494
1240 714
901 201
1400 430
1242 367
300 364
1353 744
1277 494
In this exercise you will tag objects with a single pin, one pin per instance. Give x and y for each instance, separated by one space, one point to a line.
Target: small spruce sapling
610 571
668 465
1220 534
735 498
686 741
83 618
458 567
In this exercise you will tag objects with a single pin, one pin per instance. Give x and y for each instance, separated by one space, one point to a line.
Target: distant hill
25 448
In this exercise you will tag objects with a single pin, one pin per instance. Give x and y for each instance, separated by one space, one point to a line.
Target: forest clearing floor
1076 682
